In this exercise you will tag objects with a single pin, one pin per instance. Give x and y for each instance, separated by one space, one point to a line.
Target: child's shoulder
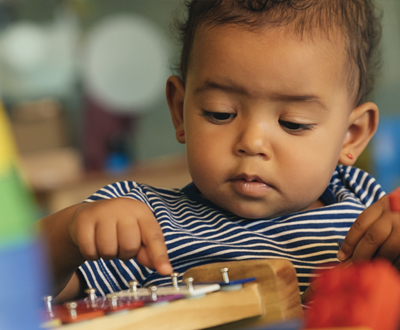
356 182
133 189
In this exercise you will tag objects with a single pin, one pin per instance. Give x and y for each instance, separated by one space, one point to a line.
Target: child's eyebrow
230 88
307 98
237 89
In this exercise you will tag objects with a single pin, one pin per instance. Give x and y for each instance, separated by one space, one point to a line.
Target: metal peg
153 292
189 283
49 305
174 278
113 299
133 286
72 309
224 272
91 292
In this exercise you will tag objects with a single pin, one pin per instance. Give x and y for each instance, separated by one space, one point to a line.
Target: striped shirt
197 232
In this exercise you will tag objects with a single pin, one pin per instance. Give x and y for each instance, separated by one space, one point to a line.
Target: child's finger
309 292
129 240
313 287
106 240
359 228
153 241
143 258
390 249
84 237
375 237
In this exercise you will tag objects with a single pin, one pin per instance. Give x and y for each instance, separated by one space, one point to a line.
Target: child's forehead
267 60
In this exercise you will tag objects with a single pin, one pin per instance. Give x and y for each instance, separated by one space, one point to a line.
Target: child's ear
362 124
175 91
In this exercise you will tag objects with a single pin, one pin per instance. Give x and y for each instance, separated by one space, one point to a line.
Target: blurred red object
362 294
394 200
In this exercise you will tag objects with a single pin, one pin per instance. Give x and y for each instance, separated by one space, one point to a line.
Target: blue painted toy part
235 282
240 281
21 286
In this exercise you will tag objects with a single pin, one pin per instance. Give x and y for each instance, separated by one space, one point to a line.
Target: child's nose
253 141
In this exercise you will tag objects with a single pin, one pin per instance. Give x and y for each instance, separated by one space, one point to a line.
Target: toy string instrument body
349 299
235 294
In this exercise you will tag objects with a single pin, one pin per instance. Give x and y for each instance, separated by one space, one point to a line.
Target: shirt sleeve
120 189
108 276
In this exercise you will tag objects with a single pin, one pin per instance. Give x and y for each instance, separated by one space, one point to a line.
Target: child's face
265 119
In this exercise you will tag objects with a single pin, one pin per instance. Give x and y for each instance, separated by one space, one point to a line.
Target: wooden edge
278 284
185 314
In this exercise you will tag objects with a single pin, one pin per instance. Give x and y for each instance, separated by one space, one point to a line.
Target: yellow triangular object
7 146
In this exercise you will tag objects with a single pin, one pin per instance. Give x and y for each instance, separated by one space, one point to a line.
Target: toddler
270 97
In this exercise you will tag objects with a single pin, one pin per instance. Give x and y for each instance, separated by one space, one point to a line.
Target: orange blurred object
362 294
394 200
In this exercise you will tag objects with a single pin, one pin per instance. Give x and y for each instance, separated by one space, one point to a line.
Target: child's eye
218 117
295 127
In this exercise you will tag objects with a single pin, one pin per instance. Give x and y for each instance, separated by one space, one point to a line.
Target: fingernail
341 256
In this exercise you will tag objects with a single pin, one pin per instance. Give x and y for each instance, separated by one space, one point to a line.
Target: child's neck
317 204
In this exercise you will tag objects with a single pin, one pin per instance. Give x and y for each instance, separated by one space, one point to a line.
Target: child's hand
120 228
375 233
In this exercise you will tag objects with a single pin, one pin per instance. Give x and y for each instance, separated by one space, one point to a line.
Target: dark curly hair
356 20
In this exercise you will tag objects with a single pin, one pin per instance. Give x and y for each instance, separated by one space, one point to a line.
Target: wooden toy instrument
244 294
251 294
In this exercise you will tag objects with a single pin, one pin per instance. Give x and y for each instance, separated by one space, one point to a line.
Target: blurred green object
22 279
18 210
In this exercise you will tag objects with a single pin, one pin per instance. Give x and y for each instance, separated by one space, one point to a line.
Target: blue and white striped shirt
197 232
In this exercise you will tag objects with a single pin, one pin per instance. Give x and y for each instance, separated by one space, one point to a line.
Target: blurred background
82 82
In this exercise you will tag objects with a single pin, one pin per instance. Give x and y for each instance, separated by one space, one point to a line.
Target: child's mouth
250 185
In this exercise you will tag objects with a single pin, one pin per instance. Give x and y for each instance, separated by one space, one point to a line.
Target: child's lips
250 185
